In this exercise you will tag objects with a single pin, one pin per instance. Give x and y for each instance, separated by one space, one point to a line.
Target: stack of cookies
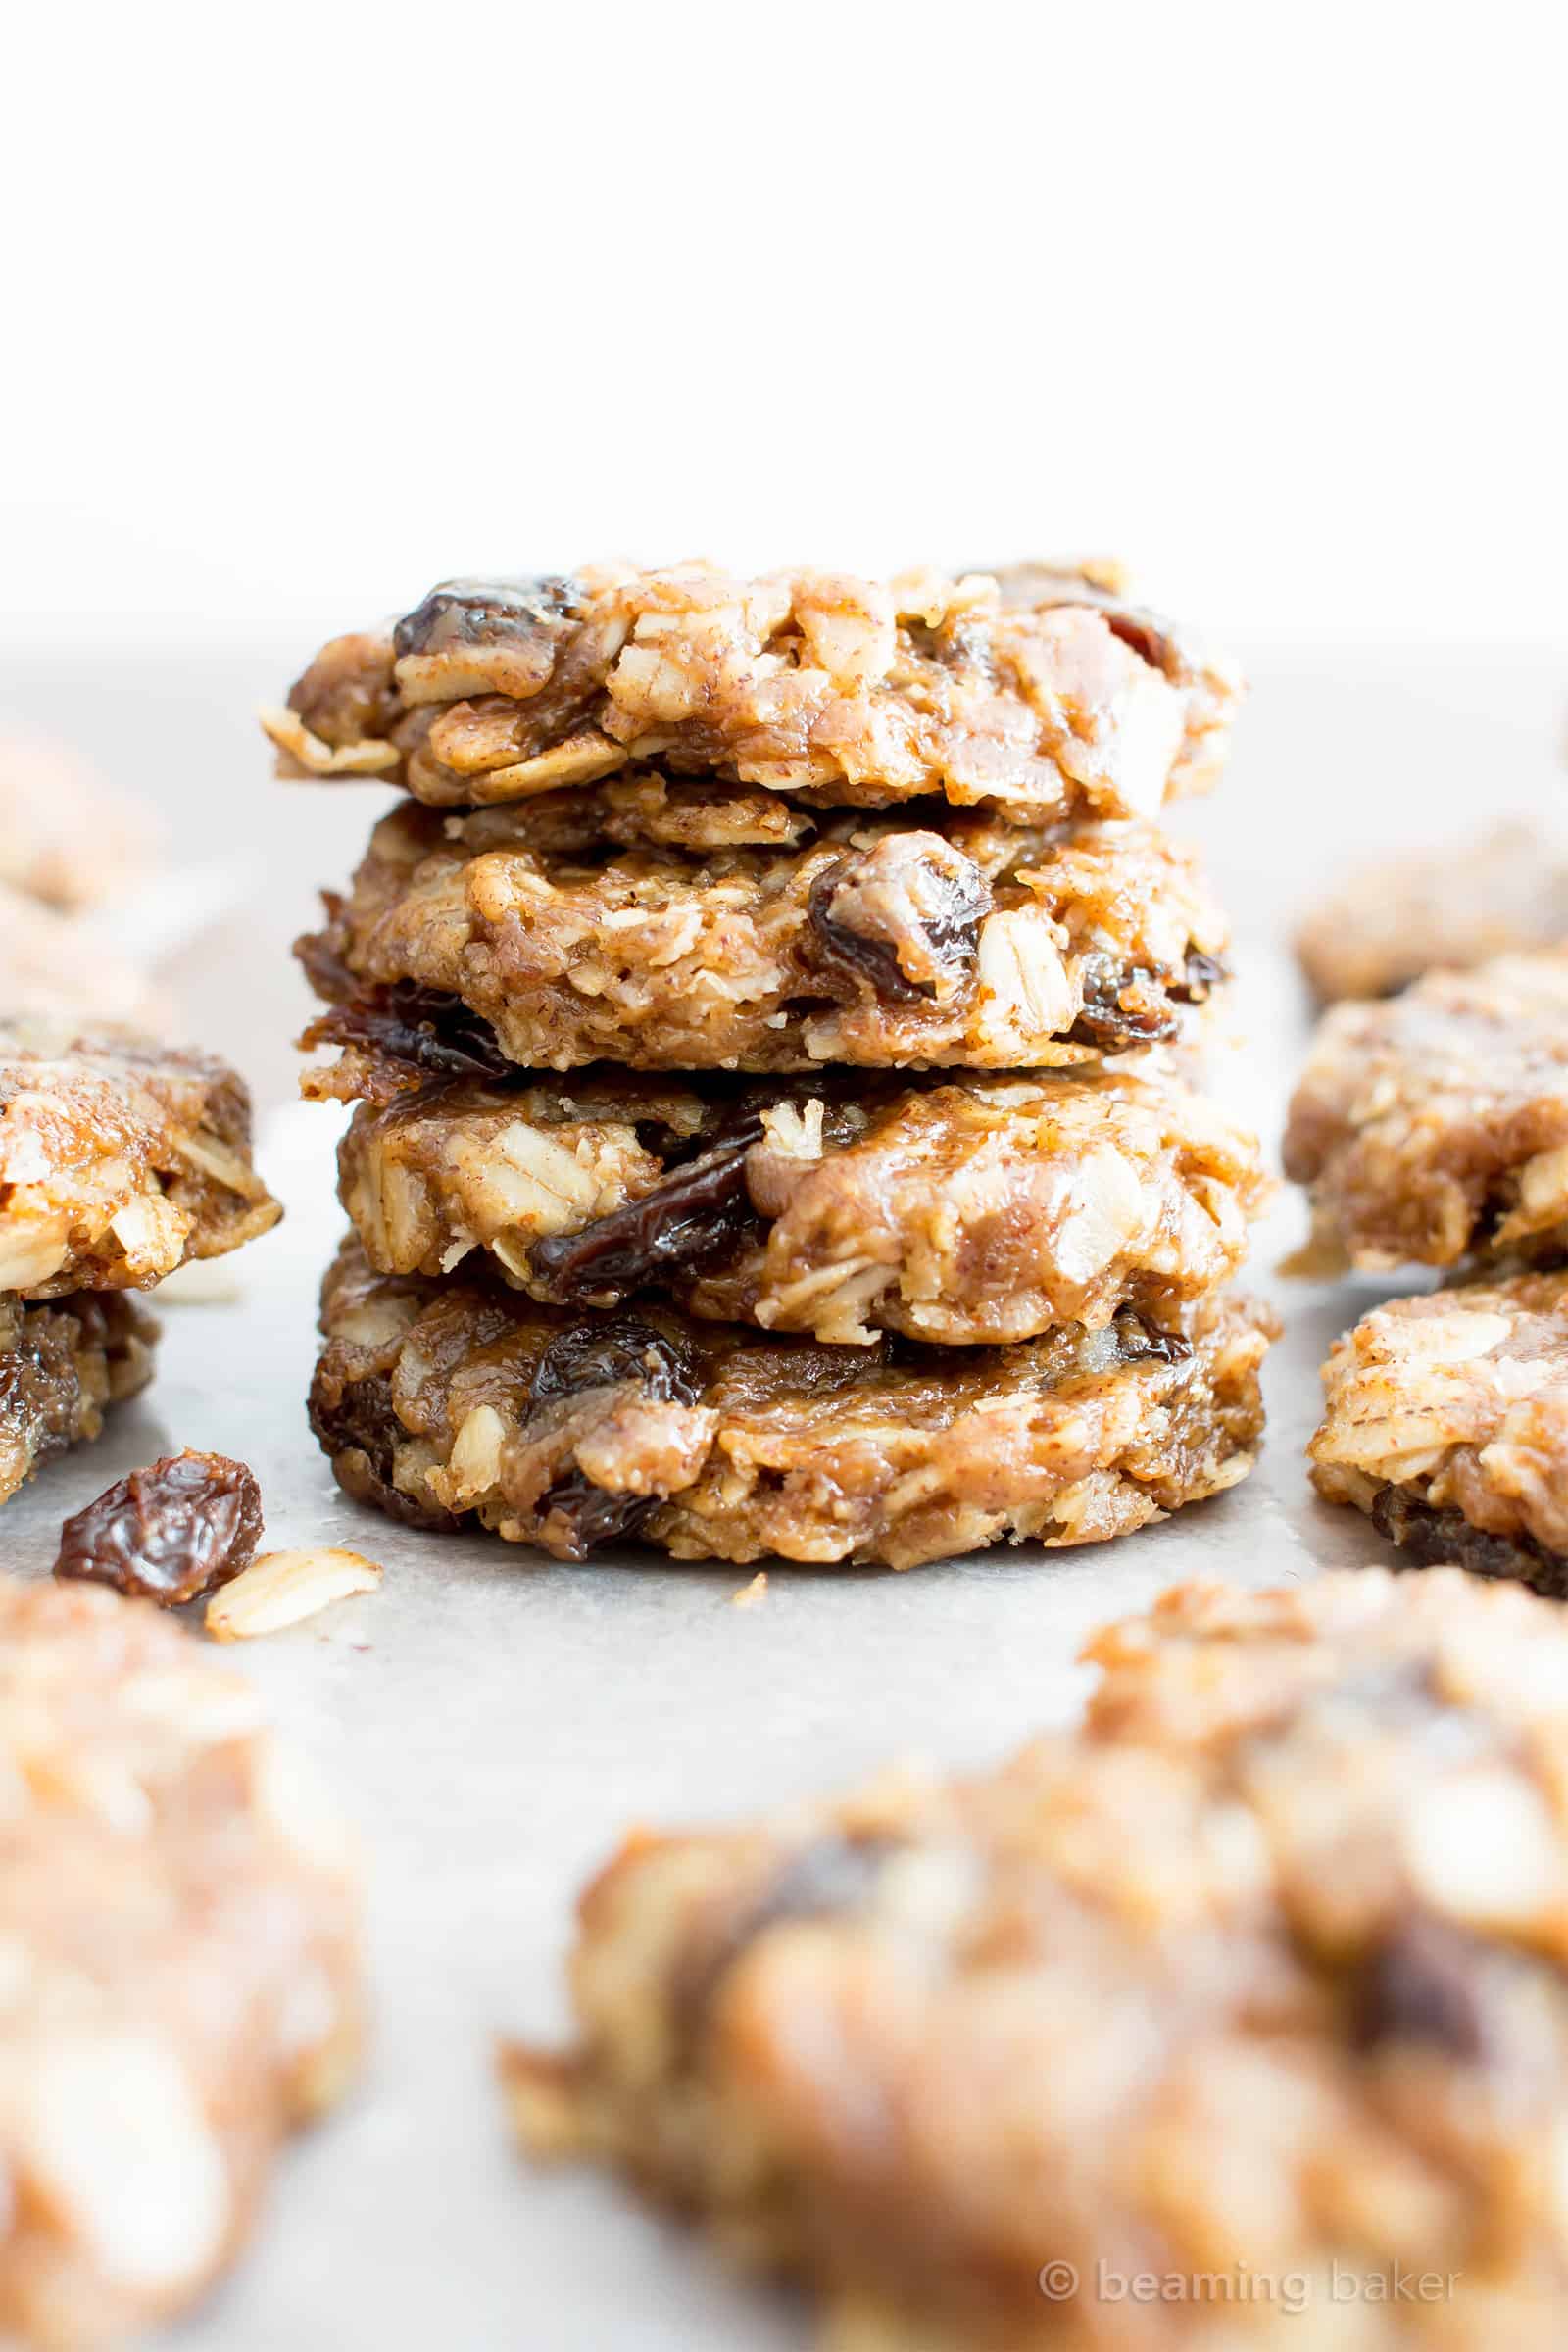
764 1140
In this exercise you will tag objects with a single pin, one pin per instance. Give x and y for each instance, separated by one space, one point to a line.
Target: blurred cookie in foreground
180 1923
63 1364
119 1158
1432 1129
1254 1986
451 1400
1048 693
1446 1420
965 1211
66 836
669 926
1402 917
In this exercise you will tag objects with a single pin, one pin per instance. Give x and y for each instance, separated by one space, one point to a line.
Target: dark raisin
872 913
609 1354
1148 637
1106 1021
168 1533
1428 1538
424 1029
827 1880
587 1515
1201 974
1140 1342
485 613
358 1428
1109 1021
1425 1983
684 1224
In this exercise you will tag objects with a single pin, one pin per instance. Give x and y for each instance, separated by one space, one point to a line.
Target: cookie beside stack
121 1159
752 1016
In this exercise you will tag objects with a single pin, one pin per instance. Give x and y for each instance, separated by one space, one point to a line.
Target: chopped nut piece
283 1588
168 1533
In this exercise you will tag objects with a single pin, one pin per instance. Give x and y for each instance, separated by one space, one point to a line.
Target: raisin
1140 1341
1147 638
1429 1537
1109 1021
913 901
358 1428
485 613
168 1533
609 1354
1201 974
1106 1021
687 1222
425 1029
1425 1983
587 1515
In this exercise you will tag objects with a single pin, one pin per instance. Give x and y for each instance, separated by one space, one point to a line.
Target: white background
306 306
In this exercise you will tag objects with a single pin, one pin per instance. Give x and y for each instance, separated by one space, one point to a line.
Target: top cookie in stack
676 822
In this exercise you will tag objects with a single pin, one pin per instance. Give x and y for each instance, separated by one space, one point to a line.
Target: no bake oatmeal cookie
1254 1988
119 1158
1402 917
962 1211
665 927
62 1365
179 1976
1434 1128
1053 695
53 966
448 1401
1446 1421
66 836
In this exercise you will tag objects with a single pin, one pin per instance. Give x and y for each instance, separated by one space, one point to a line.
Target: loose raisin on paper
170 1533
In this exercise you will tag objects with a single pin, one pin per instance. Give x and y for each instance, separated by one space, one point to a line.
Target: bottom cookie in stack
443 1401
